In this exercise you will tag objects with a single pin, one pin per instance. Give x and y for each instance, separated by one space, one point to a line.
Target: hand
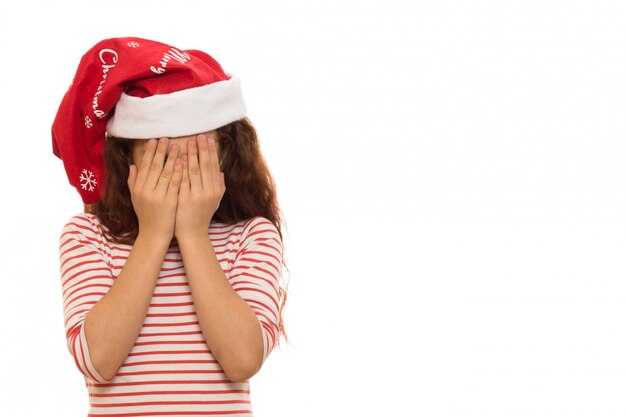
201 189
154 189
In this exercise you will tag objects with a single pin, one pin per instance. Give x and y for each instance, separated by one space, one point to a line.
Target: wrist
153 239
196 236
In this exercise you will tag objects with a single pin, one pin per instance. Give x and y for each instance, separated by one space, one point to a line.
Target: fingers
208 160
167 175
132 176
195 178
214 165
146 160
154 166
184 185
175 182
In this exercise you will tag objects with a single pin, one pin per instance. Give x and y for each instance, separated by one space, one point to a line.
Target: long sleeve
256 273
86 277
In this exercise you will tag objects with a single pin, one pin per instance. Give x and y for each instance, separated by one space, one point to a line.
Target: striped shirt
170 369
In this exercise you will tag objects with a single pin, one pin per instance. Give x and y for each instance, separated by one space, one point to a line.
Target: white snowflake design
133 44
88 122
89 178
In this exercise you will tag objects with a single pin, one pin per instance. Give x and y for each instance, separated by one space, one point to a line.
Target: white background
452 177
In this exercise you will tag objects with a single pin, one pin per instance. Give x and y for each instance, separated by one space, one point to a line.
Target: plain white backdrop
452 175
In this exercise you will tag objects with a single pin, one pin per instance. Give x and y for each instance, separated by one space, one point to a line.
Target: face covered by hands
202 184
201 189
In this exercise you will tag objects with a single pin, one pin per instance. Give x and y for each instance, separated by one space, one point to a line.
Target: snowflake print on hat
89 180
88 122
133 44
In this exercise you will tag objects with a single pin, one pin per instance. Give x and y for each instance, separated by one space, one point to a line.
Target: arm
230 327
239 319
112 325
104 315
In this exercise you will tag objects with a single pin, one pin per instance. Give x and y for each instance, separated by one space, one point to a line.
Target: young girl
171 277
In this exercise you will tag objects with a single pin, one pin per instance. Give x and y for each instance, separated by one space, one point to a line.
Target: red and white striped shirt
170 369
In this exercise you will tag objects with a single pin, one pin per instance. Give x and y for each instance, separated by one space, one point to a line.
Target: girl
171 277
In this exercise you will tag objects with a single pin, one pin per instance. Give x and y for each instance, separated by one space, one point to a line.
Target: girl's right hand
154 189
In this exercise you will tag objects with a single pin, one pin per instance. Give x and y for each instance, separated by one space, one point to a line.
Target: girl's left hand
201 189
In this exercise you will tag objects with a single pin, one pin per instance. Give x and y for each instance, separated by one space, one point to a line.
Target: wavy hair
250 188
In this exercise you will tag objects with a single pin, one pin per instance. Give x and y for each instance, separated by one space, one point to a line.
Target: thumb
131 176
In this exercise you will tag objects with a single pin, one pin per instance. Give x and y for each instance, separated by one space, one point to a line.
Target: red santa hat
138 89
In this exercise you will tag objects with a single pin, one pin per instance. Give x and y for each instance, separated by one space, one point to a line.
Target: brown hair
250 188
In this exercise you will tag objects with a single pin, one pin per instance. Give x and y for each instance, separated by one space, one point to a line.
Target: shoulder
258 225
260 231
85 224
81 235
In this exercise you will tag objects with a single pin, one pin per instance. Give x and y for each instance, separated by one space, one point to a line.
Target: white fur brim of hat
181 113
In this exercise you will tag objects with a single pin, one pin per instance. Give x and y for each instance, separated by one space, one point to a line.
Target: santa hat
138 89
